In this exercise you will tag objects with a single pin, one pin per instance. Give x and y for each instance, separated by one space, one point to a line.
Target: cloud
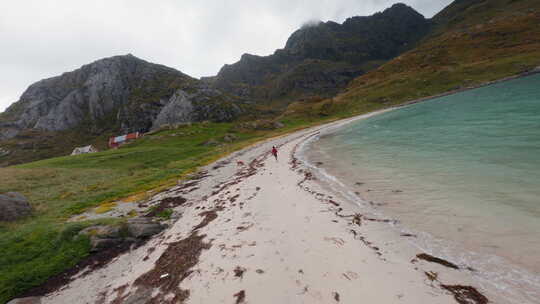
40 39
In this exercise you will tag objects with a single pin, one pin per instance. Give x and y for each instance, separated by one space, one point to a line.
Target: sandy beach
257 230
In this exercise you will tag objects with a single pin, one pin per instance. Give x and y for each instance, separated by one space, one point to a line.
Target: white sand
292 245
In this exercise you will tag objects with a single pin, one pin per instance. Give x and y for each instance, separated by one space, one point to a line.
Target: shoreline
267 232
465 89
501 279
326 128
513 280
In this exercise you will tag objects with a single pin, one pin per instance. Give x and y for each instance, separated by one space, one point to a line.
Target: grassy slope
32 145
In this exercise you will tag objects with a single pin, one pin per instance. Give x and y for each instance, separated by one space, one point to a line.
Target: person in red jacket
274 151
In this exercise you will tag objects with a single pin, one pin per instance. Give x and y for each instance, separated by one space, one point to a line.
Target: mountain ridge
130 89
328 54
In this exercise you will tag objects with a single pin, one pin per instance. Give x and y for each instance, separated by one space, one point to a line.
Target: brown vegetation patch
432 259
234 198
466 294
336 296
307 176
333 202
355 219
166 203
239 272
189 184
240 297
200 175
241 175
379 220
408 235
89 264
432 276
369 244
244 228
176 262
148 253
120 296
209 216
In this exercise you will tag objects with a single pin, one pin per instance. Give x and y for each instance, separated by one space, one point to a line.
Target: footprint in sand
337 241
350 275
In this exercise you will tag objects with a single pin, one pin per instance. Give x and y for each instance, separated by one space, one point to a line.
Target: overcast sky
44 38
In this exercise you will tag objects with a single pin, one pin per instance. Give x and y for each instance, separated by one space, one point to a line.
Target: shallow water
462 171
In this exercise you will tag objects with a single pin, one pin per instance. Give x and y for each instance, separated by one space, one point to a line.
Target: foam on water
462 172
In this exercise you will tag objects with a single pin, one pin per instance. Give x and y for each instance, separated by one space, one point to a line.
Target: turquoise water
463 171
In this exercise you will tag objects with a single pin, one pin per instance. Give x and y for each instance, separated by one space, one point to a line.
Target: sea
462 172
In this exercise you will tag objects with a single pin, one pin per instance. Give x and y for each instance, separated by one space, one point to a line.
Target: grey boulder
99 244
143 227
14 206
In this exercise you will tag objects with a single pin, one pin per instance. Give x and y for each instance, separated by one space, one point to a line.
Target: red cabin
115 142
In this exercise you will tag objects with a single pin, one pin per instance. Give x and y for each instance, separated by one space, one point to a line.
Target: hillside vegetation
321 58
474 42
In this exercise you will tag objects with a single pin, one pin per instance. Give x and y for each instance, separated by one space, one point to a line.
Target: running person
274 151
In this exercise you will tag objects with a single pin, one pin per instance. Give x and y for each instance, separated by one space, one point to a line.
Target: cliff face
319 59
121 92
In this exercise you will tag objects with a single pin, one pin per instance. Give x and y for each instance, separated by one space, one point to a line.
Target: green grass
165 214
34 252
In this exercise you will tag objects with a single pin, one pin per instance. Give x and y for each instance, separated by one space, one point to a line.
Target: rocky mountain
122 93
321 58
472 43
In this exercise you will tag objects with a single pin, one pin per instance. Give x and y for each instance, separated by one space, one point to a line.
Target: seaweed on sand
430 258
466 294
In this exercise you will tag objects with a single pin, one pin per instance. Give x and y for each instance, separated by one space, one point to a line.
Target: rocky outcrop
359 39
199 105
143 227
14 206
321 58
120 92
103 237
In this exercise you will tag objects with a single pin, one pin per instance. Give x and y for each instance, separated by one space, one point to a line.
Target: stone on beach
143 227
